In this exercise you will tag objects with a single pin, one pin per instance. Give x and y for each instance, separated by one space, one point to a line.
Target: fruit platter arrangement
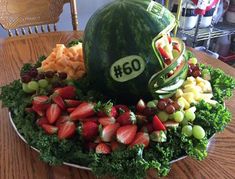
126 98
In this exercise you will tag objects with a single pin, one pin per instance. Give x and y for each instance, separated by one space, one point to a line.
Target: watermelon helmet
120 49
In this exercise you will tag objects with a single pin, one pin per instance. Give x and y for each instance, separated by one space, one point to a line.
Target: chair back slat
23 31
20 14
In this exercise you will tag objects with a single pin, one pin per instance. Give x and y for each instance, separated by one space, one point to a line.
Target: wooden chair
21 17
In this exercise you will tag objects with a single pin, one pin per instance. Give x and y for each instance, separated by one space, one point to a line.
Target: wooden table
18 161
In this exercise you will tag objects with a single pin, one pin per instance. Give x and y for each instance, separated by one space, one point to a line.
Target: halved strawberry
61 120
53 113
157 124
126 118
72 102
66 130
41 121
140 106
109 131
126 134
102 148
58 100
89 130
67 92
104 121
39 110
40 100
49 129
84 110
141 138
69 110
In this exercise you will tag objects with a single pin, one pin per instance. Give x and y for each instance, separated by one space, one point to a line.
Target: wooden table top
18 161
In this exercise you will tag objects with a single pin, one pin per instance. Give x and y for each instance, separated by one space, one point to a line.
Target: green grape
190 115
151 104
163 116
33 85
198 132
178 116
193 60
206 74
43 83
26 89
187 130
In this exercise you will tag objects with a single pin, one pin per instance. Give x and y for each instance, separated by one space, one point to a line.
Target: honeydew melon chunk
189 97
179 93
183 103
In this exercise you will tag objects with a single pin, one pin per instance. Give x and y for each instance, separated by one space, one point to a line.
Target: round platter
75 165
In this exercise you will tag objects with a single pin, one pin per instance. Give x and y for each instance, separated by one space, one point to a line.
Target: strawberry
66 130
38 109
67 92
61 120
40 100
69 110
141 138
89 130
53 113
49 129
84 110
40 104
109 131
104 121
157 124
92 119
121 108
58 100
42 121
126 118
112 113
102 148
148 128
140 106
72 103
126 134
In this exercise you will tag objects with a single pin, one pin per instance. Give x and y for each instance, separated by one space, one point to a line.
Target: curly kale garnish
213 118
222 84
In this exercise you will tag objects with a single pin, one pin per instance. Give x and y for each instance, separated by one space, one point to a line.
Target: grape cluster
33 80
168 105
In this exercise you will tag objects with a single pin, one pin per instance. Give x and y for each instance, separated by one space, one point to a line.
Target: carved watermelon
120 54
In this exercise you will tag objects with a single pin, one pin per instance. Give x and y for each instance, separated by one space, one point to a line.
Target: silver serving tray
75 165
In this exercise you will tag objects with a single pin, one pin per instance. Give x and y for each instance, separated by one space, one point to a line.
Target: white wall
85 9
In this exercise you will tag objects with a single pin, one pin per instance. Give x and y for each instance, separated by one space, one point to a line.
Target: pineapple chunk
183 103
178 93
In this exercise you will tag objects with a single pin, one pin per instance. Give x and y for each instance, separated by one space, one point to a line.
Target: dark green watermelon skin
120 29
